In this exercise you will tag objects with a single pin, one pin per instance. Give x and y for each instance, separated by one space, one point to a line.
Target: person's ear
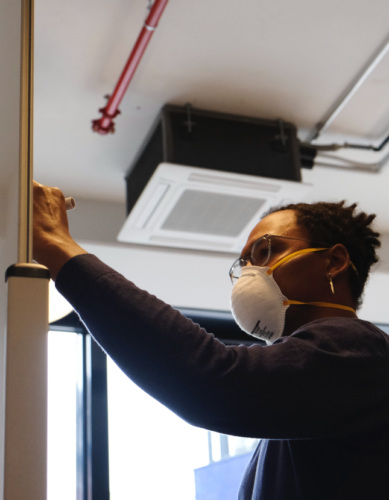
339 260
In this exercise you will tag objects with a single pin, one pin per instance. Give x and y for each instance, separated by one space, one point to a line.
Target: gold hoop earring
331 283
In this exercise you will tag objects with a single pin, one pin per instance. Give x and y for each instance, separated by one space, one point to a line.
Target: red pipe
105 124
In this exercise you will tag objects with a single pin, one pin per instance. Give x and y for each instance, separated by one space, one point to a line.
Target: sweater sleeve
292 389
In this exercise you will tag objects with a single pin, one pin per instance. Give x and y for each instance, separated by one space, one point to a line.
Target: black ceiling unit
186 136
202 179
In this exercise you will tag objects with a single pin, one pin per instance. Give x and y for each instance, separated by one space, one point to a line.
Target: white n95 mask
258 305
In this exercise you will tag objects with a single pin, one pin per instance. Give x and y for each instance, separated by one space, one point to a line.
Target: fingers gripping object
70 203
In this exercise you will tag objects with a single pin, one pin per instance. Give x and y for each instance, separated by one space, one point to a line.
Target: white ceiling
266 59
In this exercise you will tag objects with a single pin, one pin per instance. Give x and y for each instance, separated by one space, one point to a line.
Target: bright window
152 453
63 369
155 454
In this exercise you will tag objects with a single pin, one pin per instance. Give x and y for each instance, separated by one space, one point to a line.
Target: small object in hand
70 203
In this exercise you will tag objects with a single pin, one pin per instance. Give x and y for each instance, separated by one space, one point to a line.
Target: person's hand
52 244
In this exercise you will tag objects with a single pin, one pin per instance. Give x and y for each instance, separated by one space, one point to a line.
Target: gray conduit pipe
334 111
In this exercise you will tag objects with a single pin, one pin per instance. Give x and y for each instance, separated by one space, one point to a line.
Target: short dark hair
337 223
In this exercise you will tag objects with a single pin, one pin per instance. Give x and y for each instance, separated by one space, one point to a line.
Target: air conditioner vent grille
211 213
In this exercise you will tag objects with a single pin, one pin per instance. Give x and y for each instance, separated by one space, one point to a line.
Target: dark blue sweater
318 399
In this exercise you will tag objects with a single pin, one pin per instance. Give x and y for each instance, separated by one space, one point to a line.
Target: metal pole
26 132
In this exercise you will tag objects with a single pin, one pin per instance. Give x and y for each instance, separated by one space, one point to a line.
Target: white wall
375 306
9 161
180 277
8 256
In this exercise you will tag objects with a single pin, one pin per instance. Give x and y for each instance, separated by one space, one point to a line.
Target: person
316 395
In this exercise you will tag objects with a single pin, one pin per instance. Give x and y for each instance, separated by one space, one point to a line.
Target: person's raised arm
52 244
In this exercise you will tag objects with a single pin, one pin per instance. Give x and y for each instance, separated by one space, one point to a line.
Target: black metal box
231 143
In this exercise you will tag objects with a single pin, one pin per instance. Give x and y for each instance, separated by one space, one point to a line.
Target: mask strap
294 254
319 304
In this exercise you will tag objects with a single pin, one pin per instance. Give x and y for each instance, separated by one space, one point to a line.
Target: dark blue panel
221 480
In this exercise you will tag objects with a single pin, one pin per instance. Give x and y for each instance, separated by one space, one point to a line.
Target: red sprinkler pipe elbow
105 125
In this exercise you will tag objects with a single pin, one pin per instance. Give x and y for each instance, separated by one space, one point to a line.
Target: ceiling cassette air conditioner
200 209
